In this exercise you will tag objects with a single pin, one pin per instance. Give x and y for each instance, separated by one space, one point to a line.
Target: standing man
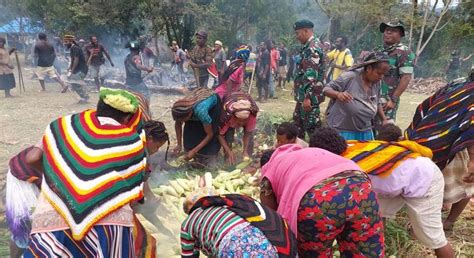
77 70
340 59
308 86
401 59
219 59
250 66
282 65
275 56
263 72
7 79
179 58
44 58
95 58
453 68
133 70
201 59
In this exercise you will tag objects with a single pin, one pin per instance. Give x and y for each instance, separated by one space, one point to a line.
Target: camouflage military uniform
401 62
308 83
202 55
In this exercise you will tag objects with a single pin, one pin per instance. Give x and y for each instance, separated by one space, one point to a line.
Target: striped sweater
203 230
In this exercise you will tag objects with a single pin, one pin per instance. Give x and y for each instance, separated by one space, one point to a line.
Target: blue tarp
21 25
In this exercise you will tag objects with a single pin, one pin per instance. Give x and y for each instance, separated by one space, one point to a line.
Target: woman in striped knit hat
93 166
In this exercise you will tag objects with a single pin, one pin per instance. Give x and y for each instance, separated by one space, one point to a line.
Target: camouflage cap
392 24
303 24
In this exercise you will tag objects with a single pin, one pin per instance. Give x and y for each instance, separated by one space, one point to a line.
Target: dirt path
24 118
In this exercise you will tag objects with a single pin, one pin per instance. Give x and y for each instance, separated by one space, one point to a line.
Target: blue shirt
202 109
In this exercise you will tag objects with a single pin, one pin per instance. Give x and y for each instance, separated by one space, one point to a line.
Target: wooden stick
89 60
251 77
196 76
20 74
163 114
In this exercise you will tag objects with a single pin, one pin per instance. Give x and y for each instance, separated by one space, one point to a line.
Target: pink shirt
232 123
275 56
236 78
292 171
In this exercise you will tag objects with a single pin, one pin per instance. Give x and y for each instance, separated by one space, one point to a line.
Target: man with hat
201 59
77 70
95 53
308 87
219 57
401 59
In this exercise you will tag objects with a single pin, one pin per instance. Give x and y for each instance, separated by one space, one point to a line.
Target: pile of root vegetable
165 223
426 85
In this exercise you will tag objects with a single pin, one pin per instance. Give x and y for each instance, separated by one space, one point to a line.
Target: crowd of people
90 170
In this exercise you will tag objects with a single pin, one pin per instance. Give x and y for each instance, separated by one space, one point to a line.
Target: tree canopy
432 32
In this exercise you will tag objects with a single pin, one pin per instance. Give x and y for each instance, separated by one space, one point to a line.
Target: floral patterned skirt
246 241
343 208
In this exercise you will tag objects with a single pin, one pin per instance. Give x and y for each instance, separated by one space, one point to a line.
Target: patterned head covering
371 58
69 37
119 99
197 194
241 109
243 52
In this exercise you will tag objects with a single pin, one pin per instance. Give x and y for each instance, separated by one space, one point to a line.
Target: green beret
119 99
303 24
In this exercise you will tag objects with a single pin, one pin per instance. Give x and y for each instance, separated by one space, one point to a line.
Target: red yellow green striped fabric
145 243
90 170
380 157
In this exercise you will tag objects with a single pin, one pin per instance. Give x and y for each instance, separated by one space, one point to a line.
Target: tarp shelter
20 26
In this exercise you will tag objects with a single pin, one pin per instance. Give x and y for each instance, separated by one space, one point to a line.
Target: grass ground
24 118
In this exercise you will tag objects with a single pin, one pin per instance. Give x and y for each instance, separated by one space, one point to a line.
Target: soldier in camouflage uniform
308 87
401 59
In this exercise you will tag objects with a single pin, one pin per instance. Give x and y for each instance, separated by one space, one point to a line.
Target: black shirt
45 53
283 56
76 52
263 61
97 53
134 75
